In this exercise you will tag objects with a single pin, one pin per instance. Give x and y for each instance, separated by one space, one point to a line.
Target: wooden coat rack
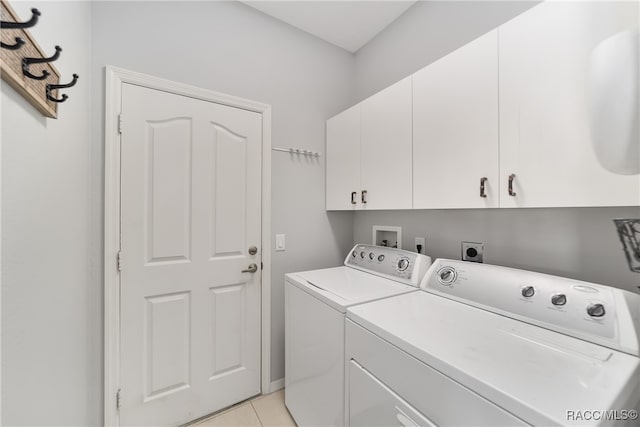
25 66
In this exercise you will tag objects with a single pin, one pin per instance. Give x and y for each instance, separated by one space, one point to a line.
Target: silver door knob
252 269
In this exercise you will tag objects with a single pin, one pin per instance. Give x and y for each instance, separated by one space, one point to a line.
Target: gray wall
580 243
424 33
51 304
234 49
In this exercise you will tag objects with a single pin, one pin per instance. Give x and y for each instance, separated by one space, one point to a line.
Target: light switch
280 242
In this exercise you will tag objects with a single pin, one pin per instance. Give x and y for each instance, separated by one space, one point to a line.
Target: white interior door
190 211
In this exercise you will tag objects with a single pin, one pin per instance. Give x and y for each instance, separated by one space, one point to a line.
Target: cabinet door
386 148
455 128
545 135
343 159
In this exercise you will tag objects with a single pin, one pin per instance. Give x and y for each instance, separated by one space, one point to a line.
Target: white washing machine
484 345
315 306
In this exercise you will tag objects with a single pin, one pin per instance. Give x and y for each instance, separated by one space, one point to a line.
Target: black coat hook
51 98
20 25
28 61
51 87
17 45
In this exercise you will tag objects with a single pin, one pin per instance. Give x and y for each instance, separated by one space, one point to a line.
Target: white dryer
494 346
315 305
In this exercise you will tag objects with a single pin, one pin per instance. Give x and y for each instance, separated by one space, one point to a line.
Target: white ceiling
347 24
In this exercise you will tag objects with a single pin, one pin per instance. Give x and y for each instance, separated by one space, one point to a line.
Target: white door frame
115 78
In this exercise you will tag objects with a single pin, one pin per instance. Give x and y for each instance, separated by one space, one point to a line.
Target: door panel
169 189
228 204
190 209
167 344
227 346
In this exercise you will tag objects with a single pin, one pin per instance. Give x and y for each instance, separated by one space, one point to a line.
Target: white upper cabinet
550 80
455 129
386 146
544 111
343 160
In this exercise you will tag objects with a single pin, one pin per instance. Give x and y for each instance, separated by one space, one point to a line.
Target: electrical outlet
472 251
420 241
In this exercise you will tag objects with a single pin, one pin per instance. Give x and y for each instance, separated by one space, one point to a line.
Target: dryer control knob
559 299
595 310
528 291
403 264
447 275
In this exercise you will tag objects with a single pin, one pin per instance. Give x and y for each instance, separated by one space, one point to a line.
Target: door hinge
120 123
118 398
119 261
261 266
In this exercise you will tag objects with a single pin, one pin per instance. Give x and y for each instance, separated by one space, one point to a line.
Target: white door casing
187 333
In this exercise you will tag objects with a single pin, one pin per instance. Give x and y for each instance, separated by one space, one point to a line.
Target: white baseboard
276 385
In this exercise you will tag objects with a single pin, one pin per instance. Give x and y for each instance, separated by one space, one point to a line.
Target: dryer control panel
595 313
396 264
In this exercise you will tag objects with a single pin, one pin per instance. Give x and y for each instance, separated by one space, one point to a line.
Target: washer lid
534 373
341 287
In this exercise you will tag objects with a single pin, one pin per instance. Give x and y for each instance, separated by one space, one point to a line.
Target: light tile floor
261 411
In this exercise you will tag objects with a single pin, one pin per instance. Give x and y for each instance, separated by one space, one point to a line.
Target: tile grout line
255 411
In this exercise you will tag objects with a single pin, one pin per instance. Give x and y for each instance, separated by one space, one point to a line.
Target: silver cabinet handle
252 269
482 189
511 178
363 197
353 197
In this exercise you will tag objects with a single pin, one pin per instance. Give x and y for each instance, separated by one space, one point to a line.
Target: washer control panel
584 310
397 264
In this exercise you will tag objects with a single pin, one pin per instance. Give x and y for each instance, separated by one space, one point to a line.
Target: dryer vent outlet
472 251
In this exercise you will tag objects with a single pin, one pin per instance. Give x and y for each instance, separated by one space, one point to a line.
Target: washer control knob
362 254
447 275
371 255
380 258
403 264
559 299
528 291
354 253
595 310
